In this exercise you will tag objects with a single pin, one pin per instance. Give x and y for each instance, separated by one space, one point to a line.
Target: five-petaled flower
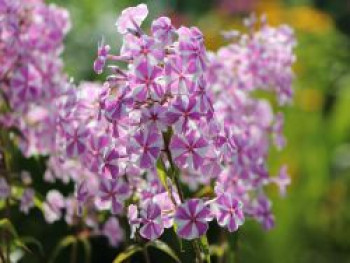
114 192
229 212
147 145
191 219
152 223
189 150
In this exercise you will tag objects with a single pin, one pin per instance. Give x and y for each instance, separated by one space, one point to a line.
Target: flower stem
174 175
73 255
146 255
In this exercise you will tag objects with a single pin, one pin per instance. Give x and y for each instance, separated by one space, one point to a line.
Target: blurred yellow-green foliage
313 221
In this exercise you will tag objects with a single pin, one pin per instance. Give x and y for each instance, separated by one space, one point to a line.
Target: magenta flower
166 206
95 149
113 231
278 136
262 212
26 83
163 30
204 99
101 59
191 47
109 167
229 211
114 192
152 223
145 82
282 180
191 219
143 49
154 118
188 150
53 206
179 75
76 140
182 112
131 18
147 145
27 200
115 109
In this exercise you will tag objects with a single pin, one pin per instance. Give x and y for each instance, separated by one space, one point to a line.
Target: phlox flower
131 18
27 200
113 231
191 219
147 145
189 150
114 192
151 220
229 212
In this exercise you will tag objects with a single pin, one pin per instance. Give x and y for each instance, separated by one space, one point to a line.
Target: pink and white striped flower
189 150
152 223
110 164
76 140
113 193
131 18
191 219
146 144
183 113
113 231
228 211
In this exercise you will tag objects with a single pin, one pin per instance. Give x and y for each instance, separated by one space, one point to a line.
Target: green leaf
218 250
87 248
203 242
161 171
129 252
178 238
34 241
160 245
65 242
8 226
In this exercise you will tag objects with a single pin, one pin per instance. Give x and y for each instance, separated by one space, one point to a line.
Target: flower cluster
33 93
31 76
172 118
175 138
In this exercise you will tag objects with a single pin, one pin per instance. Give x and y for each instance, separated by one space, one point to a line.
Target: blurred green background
313 221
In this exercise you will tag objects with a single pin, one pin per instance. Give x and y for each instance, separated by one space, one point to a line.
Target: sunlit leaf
8 226
203 241
87 248
129 252
33 241
161 171
160 245
65 242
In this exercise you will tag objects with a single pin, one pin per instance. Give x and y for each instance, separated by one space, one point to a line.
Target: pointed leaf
161 171
129 252
65 242
203 242
87 249
160 245
8 226
34 241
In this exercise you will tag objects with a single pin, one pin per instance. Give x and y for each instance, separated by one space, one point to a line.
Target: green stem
146 255
2 256
174 175
74 252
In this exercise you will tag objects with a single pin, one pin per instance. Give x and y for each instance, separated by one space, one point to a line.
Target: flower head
191 219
